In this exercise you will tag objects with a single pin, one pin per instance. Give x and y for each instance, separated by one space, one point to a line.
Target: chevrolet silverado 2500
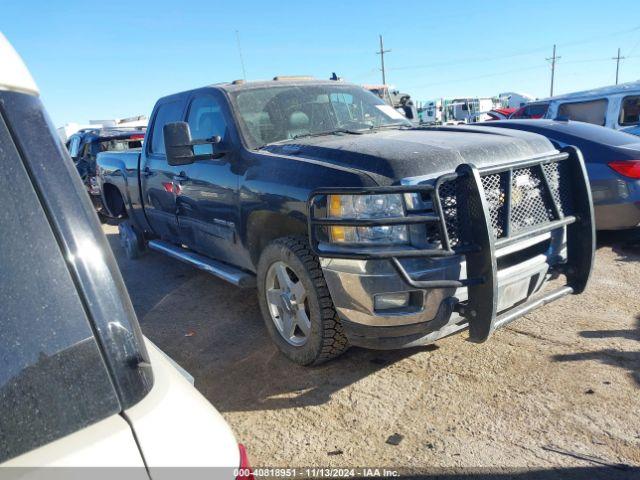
356 227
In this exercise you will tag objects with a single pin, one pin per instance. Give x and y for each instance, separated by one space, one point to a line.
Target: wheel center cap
287 302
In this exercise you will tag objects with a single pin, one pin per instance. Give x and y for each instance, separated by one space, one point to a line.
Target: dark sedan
613 163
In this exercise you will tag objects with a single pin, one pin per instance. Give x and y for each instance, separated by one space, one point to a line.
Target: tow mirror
177 143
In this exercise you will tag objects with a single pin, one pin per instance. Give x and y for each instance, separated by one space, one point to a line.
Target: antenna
244 72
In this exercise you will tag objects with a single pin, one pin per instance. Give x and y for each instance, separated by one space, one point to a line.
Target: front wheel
296 305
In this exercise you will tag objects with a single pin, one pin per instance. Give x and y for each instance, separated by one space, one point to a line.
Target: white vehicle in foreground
79 385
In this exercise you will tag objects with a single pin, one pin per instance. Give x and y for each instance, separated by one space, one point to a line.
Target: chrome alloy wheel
288 304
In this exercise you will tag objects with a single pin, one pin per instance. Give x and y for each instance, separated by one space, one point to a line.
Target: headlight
356 207
366 206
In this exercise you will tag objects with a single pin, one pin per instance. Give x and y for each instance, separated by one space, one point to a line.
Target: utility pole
553 67
381 53
244 73
617 59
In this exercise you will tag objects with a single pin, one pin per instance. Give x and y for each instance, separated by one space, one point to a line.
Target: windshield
275 114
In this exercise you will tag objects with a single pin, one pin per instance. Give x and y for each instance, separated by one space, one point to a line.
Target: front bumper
482 281
430 313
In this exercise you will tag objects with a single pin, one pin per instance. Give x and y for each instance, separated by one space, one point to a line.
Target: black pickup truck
357 227
84 146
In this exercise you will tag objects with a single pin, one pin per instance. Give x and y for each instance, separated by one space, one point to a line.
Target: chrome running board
221 270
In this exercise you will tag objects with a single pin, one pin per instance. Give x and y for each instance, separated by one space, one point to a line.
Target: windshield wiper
329 132
316 134
390 125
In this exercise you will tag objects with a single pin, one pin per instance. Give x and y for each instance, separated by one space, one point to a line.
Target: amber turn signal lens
335 206
336 233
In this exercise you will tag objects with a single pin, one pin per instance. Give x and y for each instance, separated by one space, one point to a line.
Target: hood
399 154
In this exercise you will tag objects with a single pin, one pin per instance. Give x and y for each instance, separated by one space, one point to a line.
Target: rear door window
166 113
593 111
53 380
630 111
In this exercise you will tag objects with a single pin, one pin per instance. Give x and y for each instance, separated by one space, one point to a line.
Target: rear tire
322 337
131 240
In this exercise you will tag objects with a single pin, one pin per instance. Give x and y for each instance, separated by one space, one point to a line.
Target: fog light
388 301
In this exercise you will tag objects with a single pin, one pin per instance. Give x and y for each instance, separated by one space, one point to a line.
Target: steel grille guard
477 242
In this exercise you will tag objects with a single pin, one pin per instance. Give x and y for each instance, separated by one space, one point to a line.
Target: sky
114 59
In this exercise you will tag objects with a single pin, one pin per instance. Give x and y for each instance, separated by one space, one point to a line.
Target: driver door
207 206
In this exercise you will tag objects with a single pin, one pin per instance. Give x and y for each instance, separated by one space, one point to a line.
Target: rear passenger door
157 177
207 206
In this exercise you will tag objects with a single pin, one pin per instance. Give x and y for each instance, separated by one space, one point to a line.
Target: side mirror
177 143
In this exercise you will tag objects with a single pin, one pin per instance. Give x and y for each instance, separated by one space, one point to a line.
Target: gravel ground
560 388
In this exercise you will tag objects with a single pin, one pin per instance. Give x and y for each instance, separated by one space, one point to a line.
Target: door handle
146 172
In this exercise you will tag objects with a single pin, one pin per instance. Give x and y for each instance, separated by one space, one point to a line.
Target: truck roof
239 85
276 82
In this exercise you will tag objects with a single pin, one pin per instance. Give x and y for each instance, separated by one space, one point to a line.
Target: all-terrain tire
327 339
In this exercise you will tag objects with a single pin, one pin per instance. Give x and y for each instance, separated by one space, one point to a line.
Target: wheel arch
263 227
114 200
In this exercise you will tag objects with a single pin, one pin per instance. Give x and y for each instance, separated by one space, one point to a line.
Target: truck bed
119 170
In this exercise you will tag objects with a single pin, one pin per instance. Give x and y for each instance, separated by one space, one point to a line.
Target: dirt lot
558 388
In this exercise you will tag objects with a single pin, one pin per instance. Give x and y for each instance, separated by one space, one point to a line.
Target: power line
381 53
633 49
506 72
520 53
617 59
553 59
477 77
